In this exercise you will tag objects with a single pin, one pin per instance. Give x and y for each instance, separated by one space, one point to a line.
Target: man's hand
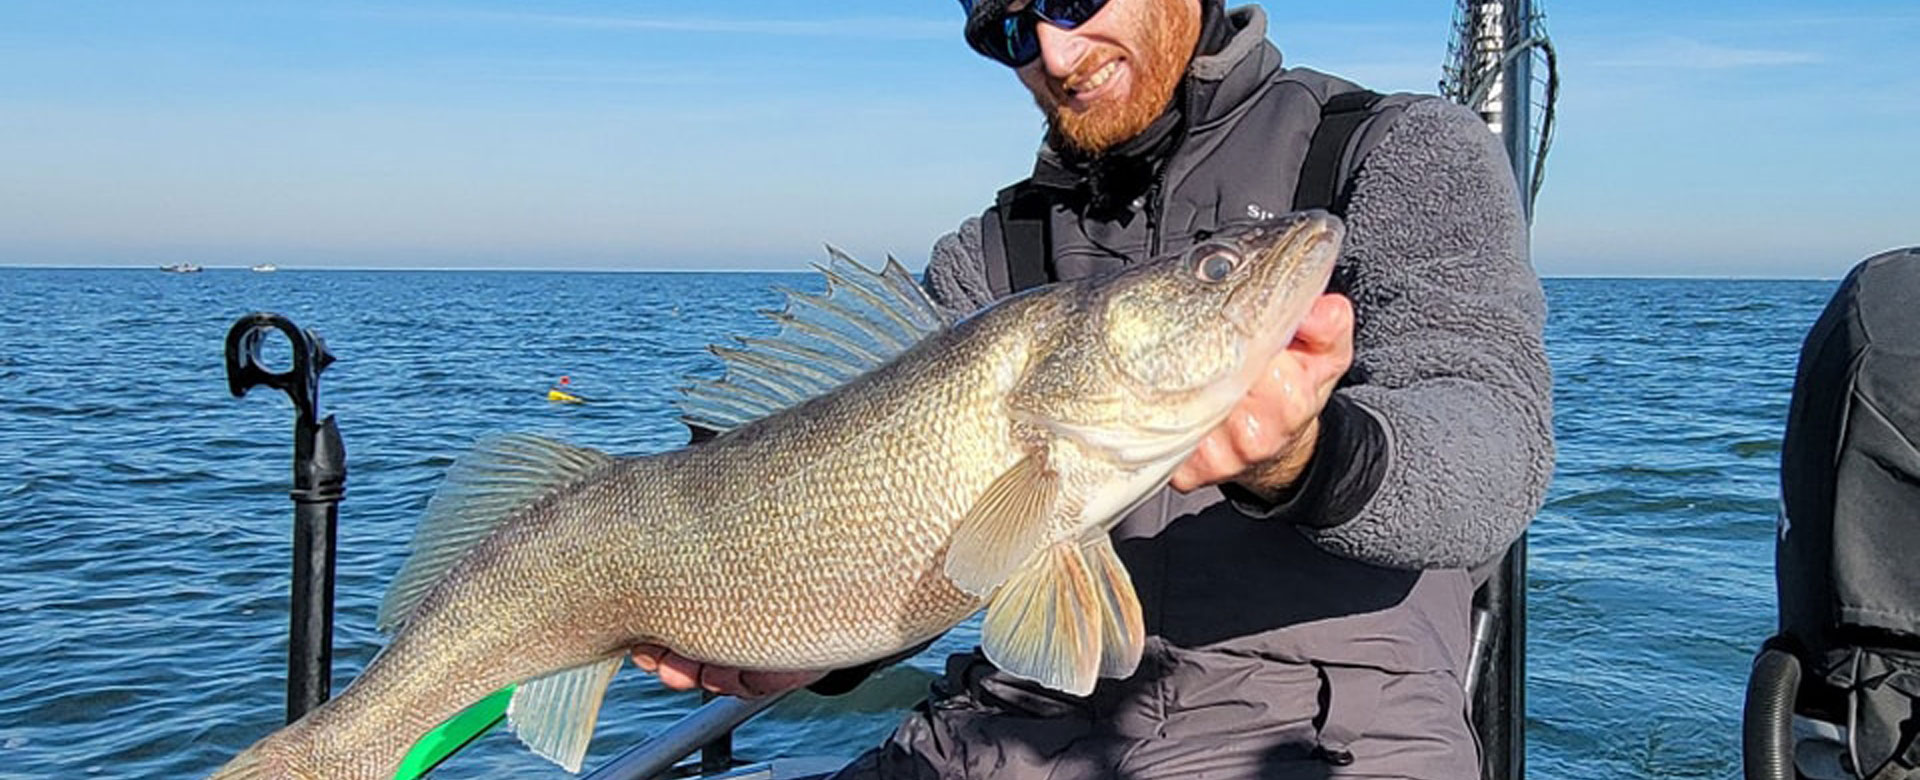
1267 440
684 674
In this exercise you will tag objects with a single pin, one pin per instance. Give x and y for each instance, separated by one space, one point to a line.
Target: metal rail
1490 69
656 756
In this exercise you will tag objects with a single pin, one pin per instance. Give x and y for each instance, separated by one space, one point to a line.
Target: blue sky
1706 138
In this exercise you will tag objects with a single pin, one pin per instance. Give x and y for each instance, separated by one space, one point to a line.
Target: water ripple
143 588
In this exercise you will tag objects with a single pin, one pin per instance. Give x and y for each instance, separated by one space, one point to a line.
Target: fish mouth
1287 274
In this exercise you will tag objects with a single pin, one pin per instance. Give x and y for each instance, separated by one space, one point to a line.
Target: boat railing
712 724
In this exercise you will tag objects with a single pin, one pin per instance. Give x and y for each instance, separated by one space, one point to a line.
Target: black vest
1270 139
1057 226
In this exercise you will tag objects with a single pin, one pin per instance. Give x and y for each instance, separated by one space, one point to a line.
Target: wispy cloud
1691 54
866 27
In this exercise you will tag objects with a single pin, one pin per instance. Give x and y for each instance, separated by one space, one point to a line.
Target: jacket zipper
1153 205
1152 208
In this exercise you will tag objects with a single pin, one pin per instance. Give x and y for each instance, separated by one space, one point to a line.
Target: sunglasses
1013 38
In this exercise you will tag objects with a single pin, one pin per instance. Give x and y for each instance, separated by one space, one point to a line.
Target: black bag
1847 558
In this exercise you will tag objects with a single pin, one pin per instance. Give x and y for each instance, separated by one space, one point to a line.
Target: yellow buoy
560 393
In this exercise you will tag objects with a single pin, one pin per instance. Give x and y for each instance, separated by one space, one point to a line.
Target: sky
1708 138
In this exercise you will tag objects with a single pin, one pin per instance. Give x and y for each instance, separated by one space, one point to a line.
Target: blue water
144 518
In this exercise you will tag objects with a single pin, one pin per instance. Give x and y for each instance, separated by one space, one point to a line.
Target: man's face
1103 82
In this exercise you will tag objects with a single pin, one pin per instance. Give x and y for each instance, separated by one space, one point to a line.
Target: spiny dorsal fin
482 489
554 715
865 319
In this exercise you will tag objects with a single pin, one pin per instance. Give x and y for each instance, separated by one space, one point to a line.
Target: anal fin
554 715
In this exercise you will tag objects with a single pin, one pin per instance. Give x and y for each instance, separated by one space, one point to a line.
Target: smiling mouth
1093 81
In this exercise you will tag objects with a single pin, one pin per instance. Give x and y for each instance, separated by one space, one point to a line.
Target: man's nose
1060 50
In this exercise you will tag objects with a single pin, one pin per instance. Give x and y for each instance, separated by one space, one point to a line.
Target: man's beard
1167 41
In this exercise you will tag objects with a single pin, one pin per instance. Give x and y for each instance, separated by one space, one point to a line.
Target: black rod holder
319 482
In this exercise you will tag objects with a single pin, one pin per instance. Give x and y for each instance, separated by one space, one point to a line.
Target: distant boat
181 268
265 268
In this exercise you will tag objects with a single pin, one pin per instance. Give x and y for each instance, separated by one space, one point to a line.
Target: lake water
144 518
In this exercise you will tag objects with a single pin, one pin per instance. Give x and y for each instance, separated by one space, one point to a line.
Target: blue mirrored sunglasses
1011 38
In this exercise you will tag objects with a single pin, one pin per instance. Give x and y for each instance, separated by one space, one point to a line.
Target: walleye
884 472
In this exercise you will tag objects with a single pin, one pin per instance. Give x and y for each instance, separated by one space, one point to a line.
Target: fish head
1163 350
1212 316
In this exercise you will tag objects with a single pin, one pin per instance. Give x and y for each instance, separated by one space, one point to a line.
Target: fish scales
981 466
865 485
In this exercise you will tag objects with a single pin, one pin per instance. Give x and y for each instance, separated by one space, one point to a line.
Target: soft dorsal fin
482 489
865 319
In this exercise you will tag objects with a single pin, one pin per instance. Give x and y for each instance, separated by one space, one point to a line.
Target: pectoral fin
1005 527
554 715
1043 624
1122 630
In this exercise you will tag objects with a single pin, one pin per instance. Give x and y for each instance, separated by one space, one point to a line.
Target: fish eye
1215 263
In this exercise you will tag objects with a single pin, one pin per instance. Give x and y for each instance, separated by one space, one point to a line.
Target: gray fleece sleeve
1448 352
956 276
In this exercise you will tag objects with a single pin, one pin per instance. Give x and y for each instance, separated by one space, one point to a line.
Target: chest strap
1324 174
1024 224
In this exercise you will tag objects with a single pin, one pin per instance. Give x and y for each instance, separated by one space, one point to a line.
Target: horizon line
806 271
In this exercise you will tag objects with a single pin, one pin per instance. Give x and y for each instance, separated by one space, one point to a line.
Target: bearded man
1306 581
